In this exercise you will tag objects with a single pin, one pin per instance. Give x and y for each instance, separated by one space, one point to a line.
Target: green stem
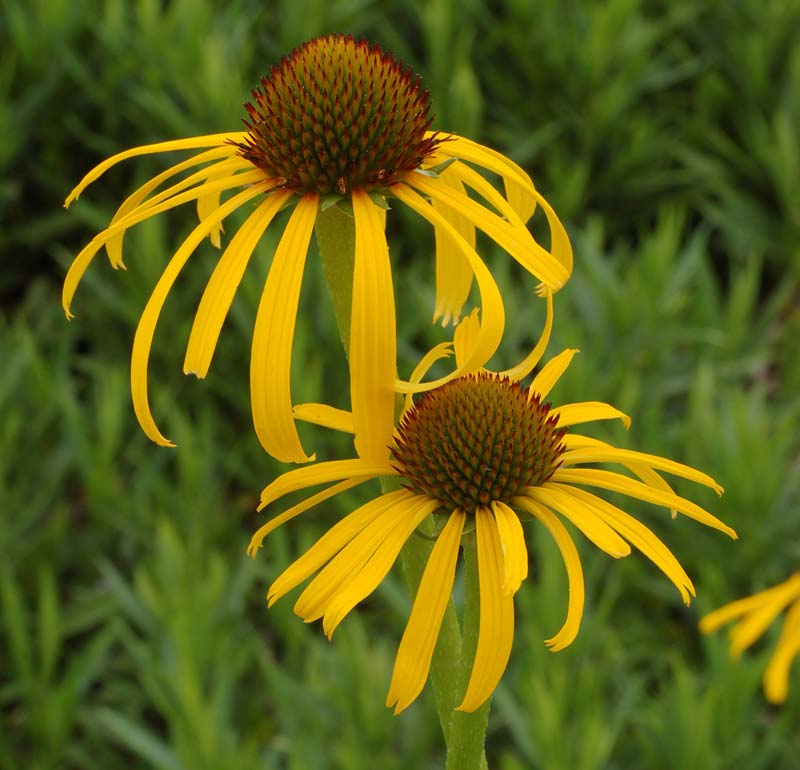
452 662
468 730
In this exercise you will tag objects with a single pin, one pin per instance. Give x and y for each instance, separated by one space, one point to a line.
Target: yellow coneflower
754 615
484 452
335 122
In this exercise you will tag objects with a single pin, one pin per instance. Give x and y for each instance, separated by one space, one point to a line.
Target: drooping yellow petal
301 507
520 191
436 353
206 205
143 338
326 416
193 143
528 364
453 273
271 352
221 287
496 616
751 627
416 648
551 372
582 516
616 482
373 339
313 602
491 300
776 676
517 241
358 586
610 454
728 612
336 538
512 543
466 336
114 245
642 538
84 258
322 473
588 411
569 553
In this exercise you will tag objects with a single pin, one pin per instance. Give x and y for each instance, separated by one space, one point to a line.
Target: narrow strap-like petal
143 337
582 516
466 337
193 143
496 616
336 538
221 287
776 676
528 364
728 612
358 586
751 627
436 353
491 301
512 541
271 352
551 373
413 661
616 482
572 562
326 416
453 273
588 411
373 338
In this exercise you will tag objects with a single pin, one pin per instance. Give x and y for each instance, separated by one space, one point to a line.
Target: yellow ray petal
373 339
466 336
569 553
728 612
588 411
416 648
609 454
326 416
143 338
496 616
520 191
616 482
322 473
582 516
84 258
408 516
512 543
436 353
271 352
528 364
221 287
642 538
517 241
301 507
551 373
453 273
491 300
114 245
195 142
336 538
207 203
776 676
751 627
313 602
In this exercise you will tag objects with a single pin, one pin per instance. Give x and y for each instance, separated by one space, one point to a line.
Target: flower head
484 451
336 121
754 615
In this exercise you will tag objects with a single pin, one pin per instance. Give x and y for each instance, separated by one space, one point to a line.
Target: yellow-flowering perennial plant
337 122
484 453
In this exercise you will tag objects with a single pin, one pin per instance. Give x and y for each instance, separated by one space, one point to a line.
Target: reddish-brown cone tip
337 115
475 440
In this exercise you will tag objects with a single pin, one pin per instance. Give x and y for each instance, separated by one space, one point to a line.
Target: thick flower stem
468 730
451 665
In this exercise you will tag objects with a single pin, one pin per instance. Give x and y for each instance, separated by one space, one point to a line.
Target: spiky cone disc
475 440
337 115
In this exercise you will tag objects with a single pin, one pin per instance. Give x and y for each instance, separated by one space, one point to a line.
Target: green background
133 629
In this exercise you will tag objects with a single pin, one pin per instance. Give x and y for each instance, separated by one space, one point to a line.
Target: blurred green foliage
133 630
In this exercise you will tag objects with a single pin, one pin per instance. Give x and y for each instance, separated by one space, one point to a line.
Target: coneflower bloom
753 615
335 122
484 452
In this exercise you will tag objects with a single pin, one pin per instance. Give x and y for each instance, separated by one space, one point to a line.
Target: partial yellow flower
484 452
754 615
337 122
